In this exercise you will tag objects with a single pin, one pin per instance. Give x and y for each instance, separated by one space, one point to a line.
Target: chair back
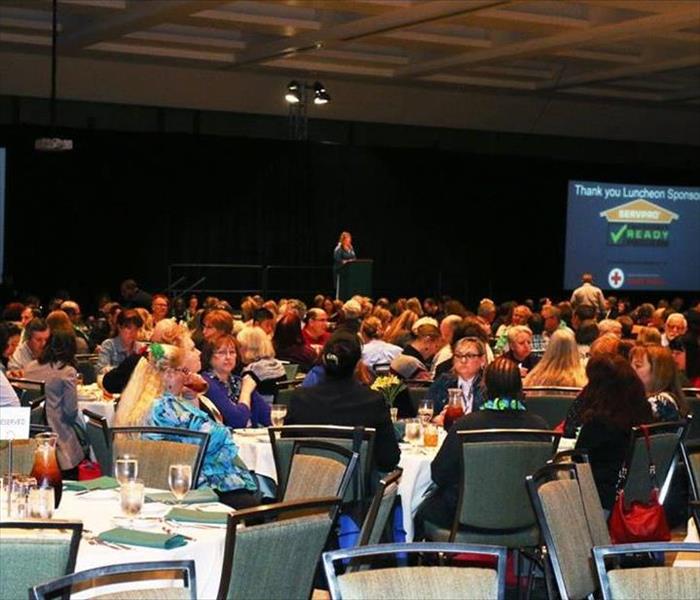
290 371
597 522
33 552
691 459
380 509
650 582
29 391
503 457
552 404
278 558
156 448
561 515
319 469
693 400
355 439
87 367
665 440
416 582
142 571
100 438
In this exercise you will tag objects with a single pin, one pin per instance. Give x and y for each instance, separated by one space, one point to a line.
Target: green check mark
616 236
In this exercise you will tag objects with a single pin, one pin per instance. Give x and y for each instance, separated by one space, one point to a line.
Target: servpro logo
638 223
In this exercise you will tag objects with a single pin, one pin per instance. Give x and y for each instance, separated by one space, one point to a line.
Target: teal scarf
503 404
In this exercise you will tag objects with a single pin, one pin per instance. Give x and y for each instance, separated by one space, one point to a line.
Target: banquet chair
159 448
278 558
559 505
693 400
597 522
380 509
493 505
691 458
29 391
357 439
416 582
100 438
32 552
318 469
665 441
679 583
87 364
145 573
550 403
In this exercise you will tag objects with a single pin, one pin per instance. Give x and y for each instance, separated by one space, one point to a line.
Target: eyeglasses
225 353
466 355
183 370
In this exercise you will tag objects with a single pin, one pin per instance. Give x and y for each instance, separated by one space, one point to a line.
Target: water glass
425 411
412 434
19 488
41 502
394 411
126 468
277 413
131 495
180 480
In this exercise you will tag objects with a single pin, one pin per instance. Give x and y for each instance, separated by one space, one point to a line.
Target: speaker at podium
354 278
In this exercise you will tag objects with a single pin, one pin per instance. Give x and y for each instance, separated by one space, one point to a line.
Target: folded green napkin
131 537
101 483
203 494
187 515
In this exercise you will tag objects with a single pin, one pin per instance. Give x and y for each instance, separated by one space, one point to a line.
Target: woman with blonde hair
146 330
154 398
399 331
560 365
258 357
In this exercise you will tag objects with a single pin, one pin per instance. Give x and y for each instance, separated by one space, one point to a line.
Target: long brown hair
664 373
614 393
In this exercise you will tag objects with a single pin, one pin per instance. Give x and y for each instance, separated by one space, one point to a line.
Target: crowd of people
211 368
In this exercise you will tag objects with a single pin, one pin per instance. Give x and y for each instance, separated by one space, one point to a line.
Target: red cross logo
616 278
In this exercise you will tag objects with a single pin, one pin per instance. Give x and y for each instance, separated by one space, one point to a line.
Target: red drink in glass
45 469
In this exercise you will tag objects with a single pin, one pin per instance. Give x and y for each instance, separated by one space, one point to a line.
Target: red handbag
641 521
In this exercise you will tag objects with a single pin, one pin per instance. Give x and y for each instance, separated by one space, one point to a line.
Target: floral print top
220 468
664 407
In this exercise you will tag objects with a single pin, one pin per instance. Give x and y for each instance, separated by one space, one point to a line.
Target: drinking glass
19 489
394 411
126 468
41 502
131 495
425 411
430 436
413 431
180 481
277 413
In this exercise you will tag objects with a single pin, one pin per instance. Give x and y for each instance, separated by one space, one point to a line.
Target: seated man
315 330
676 327
341 400
36 334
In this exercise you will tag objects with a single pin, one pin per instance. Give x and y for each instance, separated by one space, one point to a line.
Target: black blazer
349 403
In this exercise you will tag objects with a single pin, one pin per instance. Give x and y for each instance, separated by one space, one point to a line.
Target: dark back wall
434 221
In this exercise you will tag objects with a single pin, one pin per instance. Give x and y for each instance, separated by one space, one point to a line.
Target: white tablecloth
256 452
96 511
689 560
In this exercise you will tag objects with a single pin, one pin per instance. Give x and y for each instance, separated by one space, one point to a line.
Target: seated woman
238 404
258 358
503 409
289 344
56 367
468 360
656 368
560 365
9 340
154 397
376 351
613 402
123 343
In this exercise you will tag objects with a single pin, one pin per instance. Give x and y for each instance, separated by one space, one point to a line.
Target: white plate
138 522
251 432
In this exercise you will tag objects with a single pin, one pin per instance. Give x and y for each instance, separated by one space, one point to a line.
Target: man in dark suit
341 400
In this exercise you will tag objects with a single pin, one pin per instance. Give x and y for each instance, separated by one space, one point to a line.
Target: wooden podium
354 278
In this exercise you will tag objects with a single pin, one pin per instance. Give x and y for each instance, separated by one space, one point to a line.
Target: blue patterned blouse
219 469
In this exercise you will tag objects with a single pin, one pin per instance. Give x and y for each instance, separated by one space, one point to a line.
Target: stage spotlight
321 96
292 96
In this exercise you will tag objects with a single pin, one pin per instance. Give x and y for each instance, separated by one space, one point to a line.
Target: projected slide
632 236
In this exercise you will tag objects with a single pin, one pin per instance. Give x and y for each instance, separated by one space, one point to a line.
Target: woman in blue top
155 396
238 404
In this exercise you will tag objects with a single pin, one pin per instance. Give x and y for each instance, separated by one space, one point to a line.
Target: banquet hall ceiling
636 52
